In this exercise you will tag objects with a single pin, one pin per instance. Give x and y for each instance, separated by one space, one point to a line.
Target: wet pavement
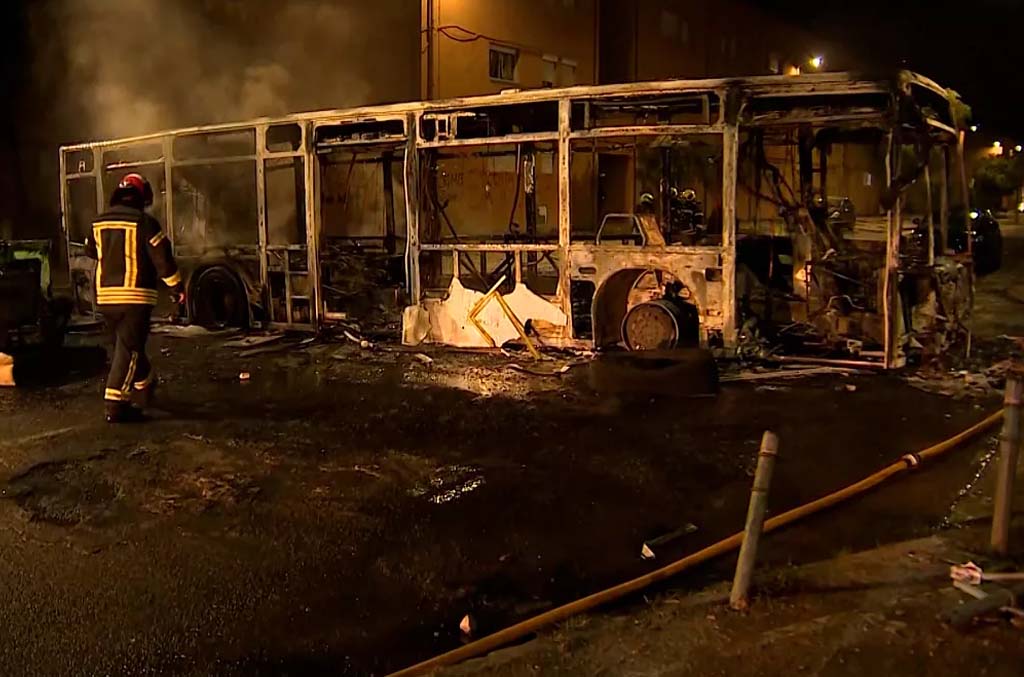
341 510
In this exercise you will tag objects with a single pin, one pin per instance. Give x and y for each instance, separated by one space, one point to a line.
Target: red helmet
137 183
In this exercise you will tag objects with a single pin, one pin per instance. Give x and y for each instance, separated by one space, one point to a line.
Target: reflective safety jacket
133 255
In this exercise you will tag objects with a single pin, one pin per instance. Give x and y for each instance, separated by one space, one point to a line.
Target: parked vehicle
29 313
988 238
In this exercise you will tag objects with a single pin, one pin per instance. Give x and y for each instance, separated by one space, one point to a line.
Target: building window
868 179
502 63
669 24
684 32
550 75
774 63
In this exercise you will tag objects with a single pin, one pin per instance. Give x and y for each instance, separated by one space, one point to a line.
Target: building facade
482 47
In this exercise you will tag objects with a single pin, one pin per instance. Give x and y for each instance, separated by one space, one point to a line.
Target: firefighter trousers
129 369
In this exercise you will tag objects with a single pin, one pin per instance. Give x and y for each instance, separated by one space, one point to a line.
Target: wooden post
1009 448
965 191
738 599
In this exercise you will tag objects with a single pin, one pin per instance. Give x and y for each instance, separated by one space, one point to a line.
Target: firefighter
133 256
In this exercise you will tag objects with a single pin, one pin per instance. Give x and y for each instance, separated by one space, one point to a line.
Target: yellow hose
531 625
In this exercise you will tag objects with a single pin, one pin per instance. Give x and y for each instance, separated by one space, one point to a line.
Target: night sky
973 47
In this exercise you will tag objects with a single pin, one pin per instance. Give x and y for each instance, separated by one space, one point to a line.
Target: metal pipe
852 364
944 203
928 215
738 598
1009 449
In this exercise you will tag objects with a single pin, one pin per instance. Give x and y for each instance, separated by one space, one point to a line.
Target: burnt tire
217 298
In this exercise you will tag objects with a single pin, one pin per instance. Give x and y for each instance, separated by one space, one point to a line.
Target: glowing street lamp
817 62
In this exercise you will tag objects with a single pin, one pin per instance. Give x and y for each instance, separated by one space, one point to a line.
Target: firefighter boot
122 412
146 395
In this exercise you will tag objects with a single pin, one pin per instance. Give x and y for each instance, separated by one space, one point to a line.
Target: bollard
1009 448
755 521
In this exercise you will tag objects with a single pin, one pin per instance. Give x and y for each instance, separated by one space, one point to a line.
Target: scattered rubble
188 330
543 371
785 373
960 384
253 341
647 550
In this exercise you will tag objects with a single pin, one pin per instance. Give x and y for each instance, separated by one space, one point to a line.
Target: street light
974 128
817 62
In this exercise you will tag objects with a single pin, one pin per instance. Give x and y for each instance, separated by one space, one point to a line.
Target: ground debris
252 341
188 330
647 550
961 384
783 373
361 342
553 370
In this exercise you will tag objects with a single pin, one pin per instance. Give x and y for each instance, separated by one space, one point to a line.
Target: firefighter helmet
137 185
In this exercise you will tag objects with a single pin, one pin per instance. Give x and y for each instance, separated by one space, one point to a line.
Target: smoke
146 65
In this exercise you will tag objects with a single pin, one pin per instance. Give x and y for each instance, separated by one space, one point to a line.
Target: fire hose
519 630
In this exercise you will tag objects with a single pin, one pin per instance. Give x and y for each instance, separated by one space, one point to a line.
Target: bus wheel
217 298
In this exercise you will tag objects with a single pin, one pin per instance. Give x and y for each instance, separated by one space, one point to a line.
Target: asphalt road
341 510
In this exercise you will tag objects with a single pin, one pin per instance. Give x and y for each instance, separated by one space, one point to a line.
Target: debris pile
1000 595
962 383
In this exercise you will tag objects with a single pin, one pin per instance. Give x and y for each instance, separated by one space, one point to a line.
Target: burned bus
808 215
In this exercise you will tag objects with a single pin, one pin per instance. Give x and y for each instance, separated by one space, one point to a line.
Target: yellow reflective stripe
126 387
131 289
107 296
115 395
131 262
126 300
158 238
121 291
126 295
99 257
146 382
174 279
116 225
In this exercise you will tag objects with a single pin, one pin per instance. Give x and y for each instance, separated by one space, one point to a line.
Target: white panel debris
449 321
